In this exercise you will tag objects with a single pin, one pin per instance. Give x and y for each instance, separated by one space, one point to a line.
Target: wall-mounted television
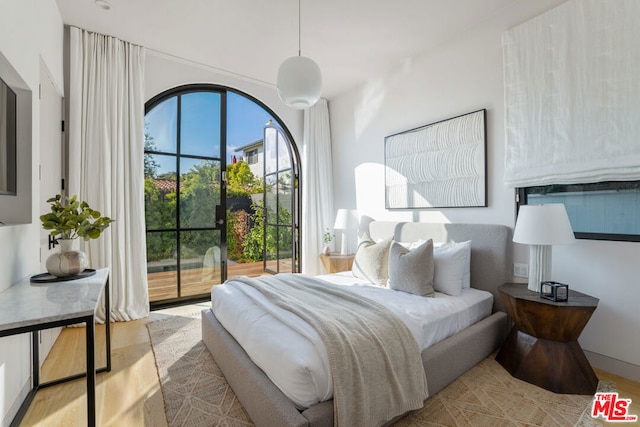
7 139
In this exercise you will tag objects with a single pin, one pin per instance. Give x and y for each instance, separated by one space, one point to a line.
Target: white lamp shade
345 219
299 82
543 225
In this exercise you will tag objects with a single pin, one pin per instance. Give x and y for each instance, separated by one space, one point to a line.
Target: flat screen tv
7 139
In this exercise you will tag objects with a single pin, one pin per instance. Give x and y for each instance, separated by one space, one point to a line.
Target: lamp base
539 265
344 246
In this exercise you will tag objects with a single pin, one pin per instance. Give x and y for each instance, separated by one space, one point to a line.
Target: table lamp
345 221
540 227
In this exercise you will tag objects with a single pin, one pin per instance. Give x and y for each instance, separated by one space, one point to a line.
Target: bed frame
491 264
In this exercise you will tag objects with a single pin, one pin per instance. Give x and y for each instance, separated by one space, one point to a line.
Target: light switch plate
521 270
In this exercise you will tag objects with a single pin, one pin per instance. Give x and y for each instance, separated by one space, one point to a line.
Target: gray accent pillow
371 261
412 270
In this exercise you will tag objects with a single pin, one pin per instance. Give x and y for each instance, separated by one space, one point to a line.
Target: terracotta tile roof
165 185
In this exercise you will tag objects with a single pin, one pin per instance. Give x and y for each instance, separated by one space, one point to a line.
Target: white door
51 147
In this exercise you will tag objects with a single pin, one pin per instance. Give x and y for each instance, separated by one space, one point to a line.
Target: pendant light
299 80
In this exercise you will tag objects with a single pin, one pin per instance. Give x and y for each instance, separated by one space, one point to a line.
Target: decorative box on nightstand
335 262
554 291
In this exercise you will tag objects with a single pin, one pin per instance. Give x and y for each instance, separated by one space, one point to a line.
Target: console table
542 348
32 307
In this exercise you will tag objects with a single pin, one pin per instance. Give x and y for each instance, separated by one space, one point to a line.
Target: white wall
458 77
30 32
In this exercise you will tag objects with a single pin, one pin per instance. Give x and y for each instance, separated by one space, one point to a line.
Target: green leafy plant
327 237
70 218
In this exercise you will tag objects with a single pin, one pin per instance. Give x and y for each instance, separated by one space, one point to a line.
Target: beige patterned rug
196 393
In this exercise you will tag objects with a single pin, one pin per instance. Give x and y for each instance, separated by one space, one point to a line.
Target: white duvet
292 354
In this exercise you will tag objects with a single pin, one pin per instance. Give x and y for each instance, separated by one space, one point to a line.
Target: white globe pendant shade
299 82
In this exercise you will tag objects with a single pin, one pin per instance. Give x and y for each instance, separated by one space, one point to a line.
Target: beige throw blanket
375 362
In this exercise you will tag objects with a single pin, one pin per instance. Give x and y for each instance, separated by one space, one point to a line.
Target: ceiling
351 40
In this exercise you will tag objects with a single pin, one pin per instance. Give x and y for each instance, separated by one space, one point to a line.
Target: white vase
67 262
326 250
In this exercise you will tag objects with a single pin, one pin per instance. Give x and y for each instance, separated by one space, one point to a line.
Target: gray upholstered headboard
491 247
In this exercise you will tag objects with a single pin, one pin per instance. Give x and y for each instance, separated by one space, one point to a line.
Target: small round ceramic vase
67 262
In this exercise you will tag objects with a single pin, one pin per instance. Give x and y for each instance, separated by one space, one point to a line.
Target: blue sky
200 133
245 121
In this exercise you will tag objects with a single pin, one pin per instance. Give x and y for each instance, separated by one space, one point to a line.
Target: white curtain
317 185
106 161
572 95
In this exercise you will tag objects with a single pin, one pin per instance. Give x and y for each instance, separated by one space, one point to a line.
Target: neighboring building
252 153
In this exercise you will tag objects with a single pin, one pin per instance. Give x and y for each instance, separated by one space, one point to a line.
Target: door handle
220 215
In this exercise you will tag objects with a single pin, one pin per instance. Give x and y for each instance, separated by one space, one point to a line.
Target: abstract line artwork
439 165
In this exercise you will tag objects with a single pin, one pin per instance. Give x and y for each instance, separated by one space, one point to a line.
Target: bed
443 361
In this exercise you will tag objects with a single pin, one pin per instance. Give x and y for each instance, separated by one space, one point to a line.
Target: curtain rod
211 67
191 61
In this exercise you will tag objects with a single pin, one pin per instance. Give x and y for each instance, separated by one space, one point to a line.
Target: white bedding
291 353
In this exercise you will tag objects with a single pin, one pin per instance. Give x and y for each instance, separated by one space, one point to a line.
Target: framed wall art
439 165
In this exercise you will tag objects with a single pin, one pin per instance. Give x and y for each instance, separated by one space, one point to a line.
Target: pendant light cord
299 28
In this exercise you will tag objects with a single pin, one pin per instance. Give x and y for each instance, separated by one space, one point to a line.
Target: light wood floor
198 281
130 394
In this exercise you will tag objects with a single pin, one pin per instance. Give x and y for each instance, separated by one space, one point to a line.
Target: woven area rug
196 393
194 390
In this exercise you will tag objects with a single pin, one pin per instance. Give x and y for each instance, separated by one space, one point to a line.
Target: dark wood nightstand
542 348
335 262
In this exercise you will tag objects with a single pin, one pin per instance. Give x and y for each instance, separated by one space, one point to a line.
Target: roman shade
572 95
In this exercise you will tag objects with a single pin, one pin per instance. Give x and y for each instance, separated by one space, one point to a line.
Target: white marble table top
27 304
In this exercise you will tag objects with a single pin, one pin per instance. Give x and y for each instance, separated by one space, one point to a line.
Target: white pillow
452 263
466 279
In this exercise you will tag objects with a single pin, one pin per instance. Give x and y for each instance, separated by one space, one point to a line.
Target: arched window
208 191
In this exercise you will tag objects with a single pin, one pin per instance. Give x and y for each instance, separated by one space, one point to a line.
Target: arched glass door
221 192
281 202
185 150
